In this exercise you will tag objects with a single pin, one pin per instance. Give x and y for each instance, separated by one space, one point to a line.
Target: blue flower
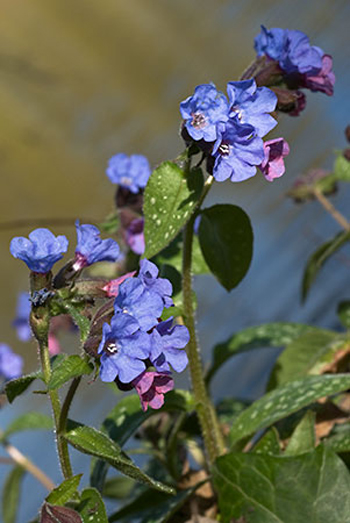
143 305
131 172
41 251
149 276
11 364
166 344
291 49
21 322
203 111
237 152
91 249
251 104
123 348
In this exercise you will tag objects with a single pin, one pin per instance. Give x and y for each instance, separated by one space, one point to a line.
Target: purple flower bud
273 165
237 152
91 249
323 80
130 172
123 348
135 237
166 344
203 111
41 251
151 387
251 105
11 364
21 322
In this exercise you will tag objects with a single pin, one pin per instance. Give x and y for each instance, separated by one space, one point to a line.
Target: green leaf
70 367
272 489
303 355
16 387
65 491
339 440
127 416
268 335
285 400
82 322
29 421
269 444
226 240
303 437
169 200
319 258
93 442
344 313
91 507
150 508
172 255
11 494
341 169
118 487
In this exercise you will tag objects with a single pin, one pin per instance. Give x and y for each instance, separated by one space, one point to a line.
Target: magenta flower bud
273 165
151 387
112 287
324 79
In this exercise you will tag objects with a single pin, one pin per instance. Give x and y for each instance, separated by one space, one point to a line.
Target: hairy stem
66 405
329 207
213 439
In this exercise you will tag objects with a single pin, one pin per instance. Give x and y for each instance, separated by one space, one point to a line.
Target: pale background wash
84 79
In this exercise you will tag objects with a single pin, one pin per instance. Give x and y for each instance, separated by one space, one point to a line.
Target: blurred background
82 80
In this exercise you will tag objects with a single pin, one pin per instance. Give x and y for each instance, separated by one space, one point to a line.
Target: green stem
66 405
62 446
213 439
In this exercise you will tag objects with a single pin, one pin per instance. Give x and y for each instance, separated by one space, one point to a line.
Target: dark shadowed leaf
16 387
29 421
118 487
226 240
319 258
70 367
344 313
53 514
303 437
11 494
91 507
312 487
304 354
285 400
169 200
268 335
95 443
172 255
65 491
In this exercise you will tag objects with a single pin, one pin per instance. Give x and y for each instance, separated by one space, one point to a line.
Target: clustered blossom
11 364
136 338
306 65
234 127
91 249
41 251
130 172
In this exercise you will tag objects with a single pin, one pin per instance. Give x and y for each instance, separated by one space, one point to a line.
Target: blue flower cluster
130 172
308 64
43 249
136 338
235 126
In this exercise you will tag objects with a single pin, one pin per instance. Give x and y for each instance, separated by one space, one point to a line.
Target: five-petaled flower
41 251
91 248
130 172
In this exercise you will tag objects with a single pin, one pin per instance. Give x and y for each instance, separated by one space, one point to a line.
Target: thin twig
329 207
28 465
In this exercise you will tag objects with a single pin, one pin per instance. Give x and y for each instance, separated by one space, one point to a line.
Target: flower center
111 348
198 120
126 180
237 111
224 149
